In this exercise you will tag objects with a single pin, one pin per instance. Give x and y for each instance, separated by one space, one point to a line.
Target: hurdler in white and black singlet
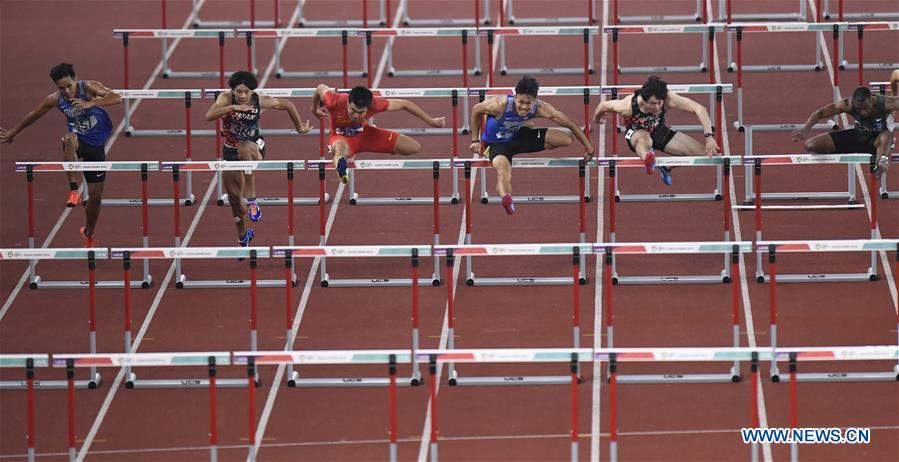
241 126
653 124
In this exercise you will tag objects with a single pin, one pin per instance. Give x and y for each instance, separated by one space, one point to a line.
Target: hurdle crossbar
527 163
758 161
293 358
578 252
705 64
699 15
464 69
725 13
383 18
587 69
842 15
251 20
28 362
284 34
860 245
860 64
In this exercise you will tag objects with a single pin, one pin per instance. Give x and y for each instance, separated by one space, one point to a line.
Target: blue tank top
504 129
92 126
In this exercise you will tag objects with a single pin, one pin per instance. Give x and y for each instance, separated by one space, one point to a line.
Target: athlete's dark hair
527 86
62 70
361 96
654 86
243 77
861 95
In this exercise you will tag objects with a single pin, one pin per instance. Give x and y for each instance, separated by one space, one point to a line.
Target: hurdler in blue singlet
504 129
92 126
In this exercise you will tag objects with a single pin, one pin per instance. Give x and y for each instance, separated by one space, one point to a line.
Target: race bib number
242 132
84 125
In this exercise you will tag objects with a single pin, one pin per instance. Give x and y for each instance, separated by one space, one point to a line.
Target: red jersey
336 104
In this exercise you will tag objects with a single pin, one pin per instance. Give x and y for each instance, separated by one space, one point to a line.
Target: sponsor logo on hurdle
787 27
816 276
539 31
191 382
515 378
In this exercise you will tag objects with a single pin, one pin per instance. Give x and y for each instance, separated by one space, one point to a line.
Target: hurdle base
512 380
800 196
183 282
829 125
715 196
201 24
732 377
538 199
51 384
524 281
296 382
421 200
545 70
383 282
676 19
187 202
170 74
278 200
133 383
845 65
394 72
721 278
870 276
136 133
39 283
838 377
542 21
754 17
281 74
650 69
778 67
316 23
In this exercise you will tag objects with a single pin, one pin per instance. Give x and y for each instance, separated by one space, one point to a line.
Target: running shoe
881 166
254 210
666 175
508 205
88 241
74 198
650 162
341 169
245 240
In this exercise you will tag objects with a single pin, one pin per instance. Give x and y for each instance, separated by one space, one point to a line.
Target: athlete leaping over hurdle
644 120
241 108
350 131
872 132
81 101
508 132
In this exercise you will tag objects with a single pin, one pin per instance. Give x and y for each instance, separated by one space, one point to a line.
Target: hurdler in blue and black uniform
89 127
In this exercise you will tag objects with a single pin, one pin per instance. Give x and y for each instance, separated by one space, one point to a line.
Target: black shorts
89 153
526 140
660 136
851 140
231 154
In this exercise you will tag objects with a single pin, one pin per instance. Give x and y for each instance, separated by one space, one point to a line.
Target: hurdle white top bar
411 32
122 166
78 253
668 161
811 26
673 247
21 360
677 88
173 33
324 357
536 162
507 355
231 165
890 352
856 245
159 94
515 249
665 28
810 159
222 358
353 251
385 164
191 252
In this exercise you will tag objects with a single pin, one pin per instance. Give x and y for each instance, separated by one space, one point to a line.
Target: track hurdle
143 167
462 32
860 64
91 255
860 245
335 357
415 252
477 5
572 356
725 13
707 32
794 354
528 163
284 34
209 359
700 15
507 11
758 161
842 15
221 34
435 165
735 249
251 22
723 163
383 18
27 362
578 253
586 33
197 253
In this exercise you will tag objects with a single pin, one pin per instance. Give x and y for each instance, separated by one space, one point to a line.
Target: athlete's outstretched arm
317 107
688 105
613 105
223 107
490 106
281 104
412 108
547 111
99 94
824 112
48 103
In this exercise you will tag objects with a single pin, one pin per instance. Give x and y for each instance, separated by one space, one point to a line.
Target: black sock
73 186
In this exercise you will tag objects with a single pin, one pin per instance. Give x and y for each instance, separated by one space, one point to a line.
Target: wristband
708 135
